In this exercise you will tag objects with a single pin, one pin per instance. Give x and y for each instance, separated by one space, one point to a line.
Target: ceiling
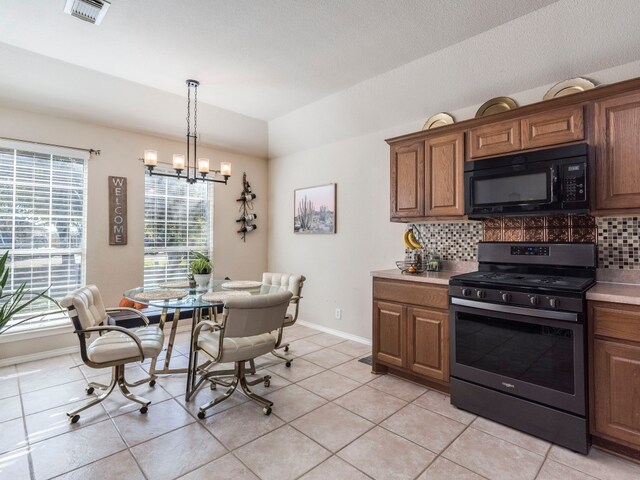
258 58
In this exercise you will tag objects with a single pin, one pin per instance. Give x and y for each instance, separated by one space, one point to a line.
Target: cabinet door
444 176
554 127
407 180
616 385
389 325
493 139
618 153
428 343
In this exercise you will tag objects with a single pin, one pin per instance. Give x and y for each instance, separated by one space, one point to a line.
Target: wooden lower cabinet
411 338
390 332
428 342
615 375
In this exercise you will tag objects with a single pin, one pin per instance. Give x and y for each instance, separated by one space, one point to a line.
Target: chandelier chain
188 110
195 111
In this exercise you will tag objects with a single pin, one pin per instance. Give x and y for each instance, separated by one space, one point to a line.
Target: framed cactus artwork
314 209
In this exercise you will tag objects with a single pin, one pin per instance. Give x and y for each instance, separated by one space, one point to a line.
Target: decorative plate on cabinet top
438 120
568 87
496 105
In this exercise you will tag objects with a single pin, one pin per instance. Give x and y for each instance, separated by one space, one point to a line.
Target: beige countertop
441 278
602 291
615 292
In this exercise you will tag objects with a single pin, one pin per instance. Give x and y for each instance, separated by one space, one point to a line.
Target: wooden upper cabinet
407 180
493 139
554 127
618 153
428 338
444 164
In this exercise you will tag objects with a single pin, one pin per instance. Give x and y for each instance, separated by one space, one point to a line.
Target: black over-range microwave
543 182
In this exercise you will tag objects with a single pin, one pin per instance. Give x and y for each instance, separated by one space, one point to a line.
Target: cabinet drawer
494 139
616 321
551 128
411 293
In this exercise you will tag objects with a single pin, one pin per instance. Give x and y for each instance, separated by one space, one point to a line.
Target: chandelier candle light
181 162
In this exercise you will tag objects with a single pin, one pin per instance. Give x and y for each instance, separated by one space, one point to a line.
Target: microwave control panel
574 182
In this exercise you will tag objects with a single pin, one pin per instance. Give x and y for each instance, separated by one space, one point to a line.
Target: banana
405 240
413 240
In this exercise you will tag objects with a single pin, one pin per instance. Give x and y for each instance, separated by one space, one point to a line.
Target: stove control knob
553 302
466 292
506 297
481 294
534 299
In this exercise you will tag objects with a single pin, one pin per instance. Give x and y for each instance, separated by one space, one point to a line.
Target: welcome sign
117 210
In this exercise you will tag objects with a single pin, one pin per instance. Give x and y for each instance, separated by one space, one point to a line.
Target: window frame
51 317
151 279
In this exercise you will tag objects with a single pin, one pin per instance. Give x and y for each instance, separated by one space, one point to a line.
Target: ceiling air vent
92 11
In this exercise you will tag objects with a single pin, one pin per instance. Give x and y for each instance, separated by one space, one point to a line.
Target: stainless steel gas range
518 338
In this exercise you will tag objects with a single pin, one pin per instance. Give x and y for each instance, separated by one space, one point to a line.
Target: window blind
177 221
43 222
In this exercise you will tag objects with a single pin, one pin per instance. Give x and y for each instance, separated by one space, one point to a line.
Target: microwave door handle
554 179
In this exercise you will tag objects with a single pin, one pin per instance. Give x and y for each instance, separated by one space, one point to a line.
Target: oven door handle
530 312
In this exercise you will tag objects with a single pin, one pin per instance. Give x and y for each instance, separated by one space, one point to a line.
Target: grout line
32 473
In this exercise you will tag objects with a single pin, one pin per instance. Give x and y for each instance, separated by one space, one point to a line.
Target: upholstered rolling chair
114 347
294 284
250 327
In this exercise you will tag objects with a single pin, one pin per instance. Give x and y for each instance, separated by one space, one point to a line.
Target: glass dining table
179 296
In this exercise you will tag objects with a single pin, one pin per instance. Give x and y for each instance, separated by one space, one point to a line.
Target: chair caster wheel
266 411
144 409
213 386
152 383
286 349
201 415
74 419
288 364
89 390
267 383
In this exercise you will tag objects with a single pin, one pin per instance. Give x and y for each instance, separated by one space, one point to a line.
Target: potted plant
15 302
201 269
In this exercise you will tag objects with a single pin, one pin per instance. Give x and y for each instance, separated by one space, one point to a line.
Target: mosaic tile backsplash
617 237
618 242
453 241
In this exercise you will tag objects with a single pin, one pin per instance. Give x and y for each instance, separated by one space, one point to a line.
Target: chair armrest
129 309
116 329
295 299
196 332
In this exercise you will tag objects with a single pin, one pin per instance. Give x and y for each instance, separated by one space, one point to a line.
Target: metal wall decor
246 209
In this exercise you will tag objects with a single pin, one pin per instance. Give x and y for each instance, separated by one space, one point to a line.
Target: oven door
537 358
514 189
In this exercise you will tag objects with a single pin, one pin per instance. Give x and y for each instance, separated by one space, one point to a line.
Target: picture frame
314 210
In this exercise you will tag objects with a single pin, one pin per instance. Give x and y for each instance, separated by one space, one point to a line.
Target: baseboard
38 356
335 332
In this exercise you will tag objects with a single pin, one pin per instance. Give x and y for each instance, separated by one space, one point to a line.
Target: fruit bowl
405 267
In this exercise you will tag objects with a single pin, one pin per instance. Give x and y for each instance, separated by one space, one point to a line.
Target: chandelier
193 170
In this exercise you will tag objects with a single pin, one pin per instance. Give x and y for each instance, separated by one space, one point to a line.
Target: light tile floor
332 419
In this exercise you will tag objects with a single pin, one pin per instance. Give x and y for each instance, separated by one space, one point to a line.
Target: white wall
341 139
117 268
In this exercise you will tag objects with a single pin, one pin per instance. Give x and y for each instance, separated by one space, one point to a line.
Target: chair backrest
86 307
291 282
254 315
